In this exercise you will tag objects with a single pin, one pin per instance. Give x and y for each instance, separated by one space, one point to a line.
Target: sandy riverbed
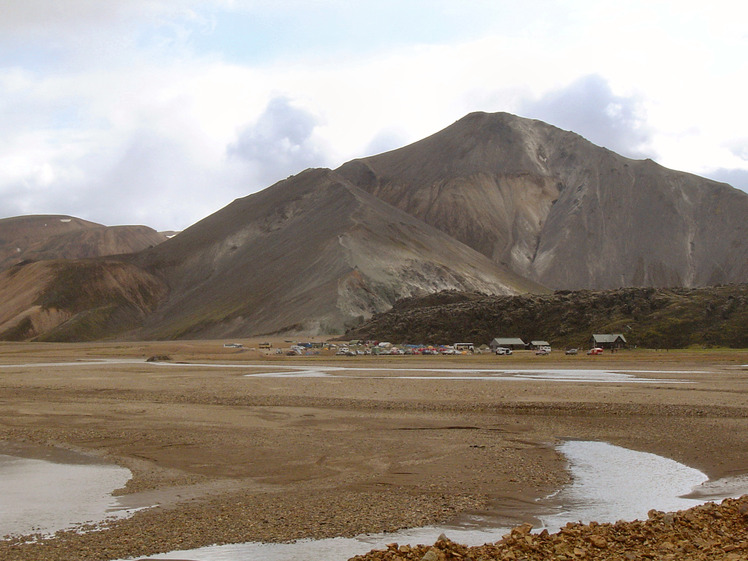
231 458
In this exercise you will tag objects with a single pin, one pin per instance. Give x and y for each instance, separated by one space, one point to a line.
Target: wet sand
230 458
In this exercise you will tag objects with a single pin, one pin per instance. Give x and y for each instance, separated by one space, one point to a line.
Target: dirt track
232 458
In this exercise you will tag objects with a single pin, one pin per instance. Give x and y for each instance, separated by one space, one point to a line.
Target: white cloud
589 108
736 177
281 142
130 111
56 20
386 140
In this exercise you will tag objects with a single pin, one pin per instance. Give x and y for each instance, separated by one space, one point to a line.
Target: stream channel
60 489
47 490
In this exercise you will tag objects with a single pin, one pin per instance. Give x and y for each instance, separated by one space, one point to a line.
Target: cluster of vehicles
544 350
375 348
547 350
410 350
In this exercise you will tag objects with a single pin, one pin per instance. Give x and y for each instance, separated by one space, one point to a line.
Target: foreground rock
706 532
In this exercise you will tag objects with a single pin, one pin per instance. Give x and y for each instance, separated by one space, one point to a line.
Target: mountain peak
494 203
560 210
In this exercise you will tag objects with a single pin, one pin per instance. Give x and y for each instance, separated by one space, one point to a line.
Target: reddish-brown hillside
41 237
75 300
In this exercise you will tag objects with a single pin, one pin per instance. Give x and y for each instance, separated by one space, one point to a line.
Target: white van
503 351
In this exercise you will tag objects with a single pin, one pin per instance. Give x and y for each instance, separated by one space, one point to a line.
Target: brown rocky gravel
229 458
238 518
704 533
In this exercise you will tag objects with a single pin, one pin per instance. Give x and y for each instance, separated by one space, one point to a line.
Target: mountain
310 253
561 211
494 204
42 237
75 300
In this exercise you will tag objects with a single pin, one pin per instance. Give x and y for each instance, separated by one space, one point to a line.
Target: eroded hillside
562 211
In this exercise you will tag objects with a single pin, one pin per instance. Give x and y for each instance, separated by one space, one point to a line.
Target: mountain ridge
50 236
322 224
494 203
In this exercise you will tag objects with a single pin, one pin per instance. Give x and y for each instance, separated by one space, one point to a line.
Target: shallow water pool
609 483
464 374
43 496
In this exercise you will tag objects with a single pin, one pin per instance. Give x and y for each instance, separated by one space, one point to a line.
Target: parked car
542 352
595 351
572 351
503 351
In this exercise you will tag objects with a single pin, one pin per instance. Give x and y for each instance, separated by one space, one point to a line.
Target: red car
595 351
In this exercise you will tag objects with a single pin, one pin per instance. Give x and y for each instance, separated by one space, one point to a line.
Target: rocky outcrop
708 532
648 317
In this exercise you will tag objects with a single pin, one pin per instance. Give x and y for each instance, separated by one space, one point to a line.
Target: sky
161 112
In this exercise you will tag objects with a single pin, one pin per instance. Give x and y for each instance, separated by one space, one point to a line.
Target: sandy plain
230 458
